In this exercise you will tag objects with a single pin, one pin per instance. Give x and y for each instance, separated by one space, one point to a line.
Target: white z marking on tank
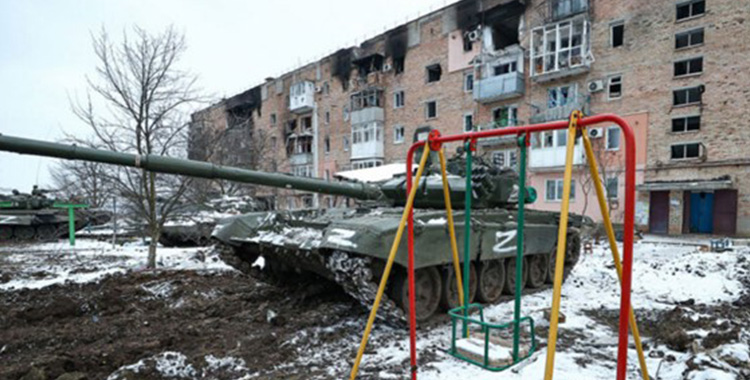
503 241
7 219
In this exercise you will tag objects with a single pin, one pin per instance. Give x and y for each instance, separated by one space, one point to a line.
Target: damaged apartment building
674 69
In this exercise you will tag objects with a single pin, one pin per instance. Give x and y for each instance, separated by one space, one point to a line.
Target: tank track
354 275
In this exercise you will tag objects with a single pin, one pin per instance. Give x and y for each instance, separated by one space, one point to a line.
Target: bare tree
83 181
142 102
610 165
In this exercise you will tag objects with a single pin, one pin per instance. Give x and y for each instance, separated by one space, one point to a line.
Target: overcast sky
45 52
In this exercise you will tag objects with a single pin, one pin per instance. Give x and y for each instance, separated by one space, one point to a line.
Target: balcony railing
499 87
300 159
367 115
498 139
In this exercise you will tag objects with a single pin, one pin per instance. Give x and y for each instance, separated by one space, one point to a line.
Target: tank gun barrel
192 168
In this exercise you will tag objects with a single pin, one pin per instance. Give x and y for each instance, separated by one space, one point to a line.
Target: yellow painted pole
561 237
451 229
613 244
389 263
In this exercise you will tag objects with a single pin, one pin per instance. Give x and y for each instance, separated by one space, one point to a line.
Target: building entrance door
701 212
658 215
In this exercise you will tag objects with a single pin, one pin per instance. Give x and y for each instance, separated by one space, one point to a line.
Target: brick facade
644 62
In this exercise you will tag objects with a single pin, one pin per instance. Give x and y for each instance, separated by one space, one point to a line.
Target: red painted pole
628 225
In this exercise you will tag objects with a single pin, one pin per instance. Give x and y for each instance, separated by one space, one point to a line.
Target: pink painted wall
615 161
458 59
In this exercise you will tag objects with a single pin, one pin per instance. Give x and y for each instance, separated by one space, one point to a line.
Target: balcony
498 139
560 50
548 150
297 159
302 97
560 9
499 87
367 115
561 112
367 141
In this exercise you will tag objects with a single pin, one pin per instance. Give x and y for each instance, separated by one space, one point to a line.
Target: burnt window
434 72
688 66
690 9
430 110
686 124
617 32
683 151
398 65
505 68
686 96
468 43
689 38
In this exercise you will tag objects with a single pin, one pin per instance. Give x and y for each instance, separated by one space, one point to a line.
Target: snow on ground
664 276
39 265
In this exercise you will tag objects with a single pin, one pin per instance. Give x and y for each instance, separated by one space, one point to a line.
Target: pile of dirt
92 330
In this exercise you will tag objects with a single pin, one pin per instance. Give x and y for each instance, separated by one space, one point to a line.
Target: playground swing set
489 353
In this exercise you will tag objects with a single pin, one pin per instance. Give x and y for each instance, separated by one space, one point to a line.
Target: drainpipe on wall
315 147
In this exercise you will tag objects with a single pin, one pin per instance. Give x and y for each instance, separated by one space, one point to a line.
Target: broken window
431 110
434 72
617 34
468 122
398 64
683 151
505 68
564 8
614 87
684 96
560 96
346 144
689 38
505 117
686 124
468 43
690 9
306 122
398 99
398 134
559 46
688 66
371 97
468 82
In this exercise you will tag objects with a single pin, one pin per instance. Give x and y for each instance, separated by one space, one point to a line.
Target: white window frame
689 103
612 26
510 158
572 89
468 75
610 81
558 187
543 54
367 164
619 139
689 32
512 122
688 60
396 104
396 139
689 3
686 143
346 143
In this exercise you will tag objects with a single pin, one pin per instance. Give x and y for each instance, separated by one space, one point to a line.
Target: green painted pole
467 233
72 226
519 245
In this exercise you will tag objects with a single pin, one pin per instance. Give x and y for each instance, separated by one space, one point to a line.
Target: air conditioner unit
473 35
595 133
387 67
318 89
596 85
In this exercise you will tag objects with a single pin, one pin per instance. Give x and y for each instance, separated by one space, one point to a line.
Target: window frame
686 123
611 79
607 185
467 88
612 26
687 96
543 54
396 95
430 68
427 110
689 33
512 115
685 144
468 116
572 89
396 140
607 147
688 61
689 4
558 186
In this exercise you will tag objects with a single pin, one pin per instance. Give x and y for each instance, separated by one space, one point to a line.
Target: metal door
701 212
658 215
725 212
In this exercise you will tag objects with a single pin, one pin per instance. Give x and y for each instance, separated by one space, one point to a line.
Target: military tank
349 246
32 217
